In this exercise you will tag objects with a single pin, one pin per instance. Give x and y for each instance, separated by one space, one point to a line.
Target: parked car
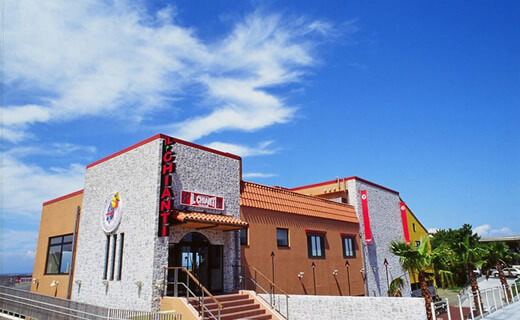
509 272
477 273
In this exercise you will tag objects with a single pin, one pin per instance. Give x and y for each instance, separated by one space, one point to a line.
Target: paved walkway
509 312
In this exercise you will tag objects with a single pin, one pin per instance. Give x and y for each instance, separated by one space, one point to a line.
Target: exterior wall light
335 272
54 283
139 284
158 284
105 283
78 282
301 274
35 281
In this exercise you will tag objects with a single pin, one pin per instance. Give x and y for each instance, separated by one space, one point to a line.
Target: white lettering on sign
200 200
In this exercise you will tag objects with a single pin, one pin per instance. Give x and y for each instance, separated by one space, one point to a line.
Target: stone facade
213 174
136 175
308 307
386 225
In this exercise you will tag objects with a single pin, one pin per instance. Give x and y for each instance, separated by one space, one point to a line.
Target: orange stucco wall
290 261
57 219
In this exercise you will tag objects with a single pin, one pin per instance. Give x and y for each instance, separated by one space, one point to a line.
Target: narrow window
316 246
121 246
107 252
282 237
243 237
113 260
349 246
413 226
59 255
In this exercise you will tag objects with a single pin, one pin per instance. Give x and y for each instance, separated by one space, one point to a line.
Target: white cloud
244 151
112 58
26 187
55 149
258 175
433 230
487 231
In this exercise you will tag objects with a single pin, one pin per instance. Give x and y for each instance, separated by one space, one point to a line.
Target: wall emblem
111 215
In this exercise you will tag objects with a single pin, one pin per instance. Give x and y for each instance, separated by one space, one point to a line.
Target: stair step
261 317
235 306
240 315
243 308
225 304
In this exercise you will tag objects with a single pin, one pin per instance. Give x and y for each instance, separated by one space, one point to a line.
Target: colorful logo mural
111 216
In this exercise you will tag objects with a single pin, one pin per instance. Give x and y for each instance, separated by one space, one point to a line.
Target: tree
498 254
471 253
446 238
418 260
396 287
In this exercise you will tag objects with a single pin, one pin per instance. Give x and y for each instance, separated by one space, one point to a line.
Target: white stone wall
303 307
386 225
213 174
135 175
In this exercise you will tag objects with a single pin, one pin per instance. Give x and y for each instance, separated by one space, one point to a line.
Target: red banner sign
167 197
366 218
404 218
200 200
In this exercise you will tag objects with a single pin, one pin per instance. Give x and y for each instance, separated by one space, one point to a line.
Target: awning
212 221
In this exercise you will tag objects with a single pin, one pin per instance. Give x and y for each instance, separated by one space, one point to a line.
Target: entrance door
200 258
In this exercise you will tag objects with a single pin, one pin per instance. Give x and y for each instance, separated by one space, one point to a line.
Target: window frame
310 237
352 238
246 243
61 244
278 240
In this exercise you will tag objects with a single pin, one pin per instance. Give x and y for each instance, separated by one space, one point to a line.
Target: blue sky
422 97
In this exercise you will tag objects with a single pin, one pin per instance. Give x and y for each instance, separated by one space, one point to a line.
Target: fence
27 304
491 300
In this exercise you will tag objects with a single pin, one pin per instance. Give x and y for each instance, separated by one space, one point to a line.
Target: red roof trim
162 136
63 197
341 179
308 231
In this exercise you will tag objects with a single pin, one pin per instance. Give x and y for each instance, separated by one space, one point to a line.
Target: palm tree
471 254
396 287
498 253
418 260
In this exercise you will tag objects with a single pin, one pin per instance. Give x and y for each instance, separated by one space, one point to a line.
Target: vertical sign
404 218
167 197
366 218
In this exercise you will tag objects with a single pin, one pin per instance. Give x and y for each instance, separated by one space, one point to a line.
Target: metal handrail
30 304
200 285
270 282
273 287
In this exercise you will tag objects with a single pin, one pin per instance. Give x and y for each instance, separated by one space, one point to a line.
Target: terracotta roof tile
185 216
276 199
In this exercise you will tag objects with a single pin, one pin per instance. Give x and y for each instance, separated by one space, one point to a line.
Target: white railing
490 300
27 304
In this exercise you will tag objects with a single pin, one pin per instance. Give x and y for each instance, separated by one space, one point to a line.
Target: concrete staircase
235 306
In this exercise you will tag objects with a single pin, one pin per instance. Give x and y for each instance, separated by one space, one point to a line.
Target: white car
509 272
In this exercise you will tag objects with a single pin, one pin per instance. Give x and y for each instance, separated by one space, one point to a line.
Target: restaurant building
165 202
381 221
